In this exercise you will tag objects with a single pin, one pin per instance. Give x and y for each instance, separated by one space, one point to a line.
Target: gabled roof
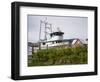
71 41
84 41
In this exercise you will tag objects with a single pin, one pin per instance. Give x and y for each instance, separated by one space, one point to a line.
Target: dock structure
33 47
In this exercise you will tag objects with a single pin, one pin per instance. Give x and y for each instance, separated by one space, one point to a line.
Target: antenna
58 29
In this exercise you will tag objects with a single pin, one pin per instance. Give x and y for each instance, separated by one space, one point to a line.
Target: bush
59 56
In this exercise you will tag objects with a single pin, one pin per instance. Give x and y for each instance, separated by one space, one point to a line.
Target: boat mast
47 29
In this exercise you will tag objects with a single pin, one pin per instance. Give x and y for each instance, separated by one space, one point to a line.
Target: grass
59 56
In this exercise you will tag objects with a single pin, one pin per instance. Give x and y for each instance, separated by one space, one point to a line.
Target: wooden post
39 46
32 49
47 47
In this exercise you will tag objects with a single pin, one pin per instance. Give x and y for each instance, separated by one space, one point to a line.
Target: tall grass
59 56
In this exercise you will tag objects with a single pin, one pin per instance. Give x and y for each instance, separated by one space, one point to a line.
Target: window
43 43
52 42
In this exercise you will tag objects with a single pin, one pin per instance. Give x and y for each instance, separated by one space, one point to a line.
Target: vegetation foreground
59 56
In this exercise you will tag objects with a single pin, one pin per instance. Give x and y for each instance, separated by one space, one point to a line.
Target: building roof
33 44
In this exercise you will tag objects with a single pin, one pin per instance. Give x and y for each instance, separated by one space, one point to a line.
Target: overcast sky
73 27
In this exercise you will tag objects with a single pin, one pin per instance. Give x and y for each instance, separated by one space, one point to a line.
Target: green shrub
59 56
